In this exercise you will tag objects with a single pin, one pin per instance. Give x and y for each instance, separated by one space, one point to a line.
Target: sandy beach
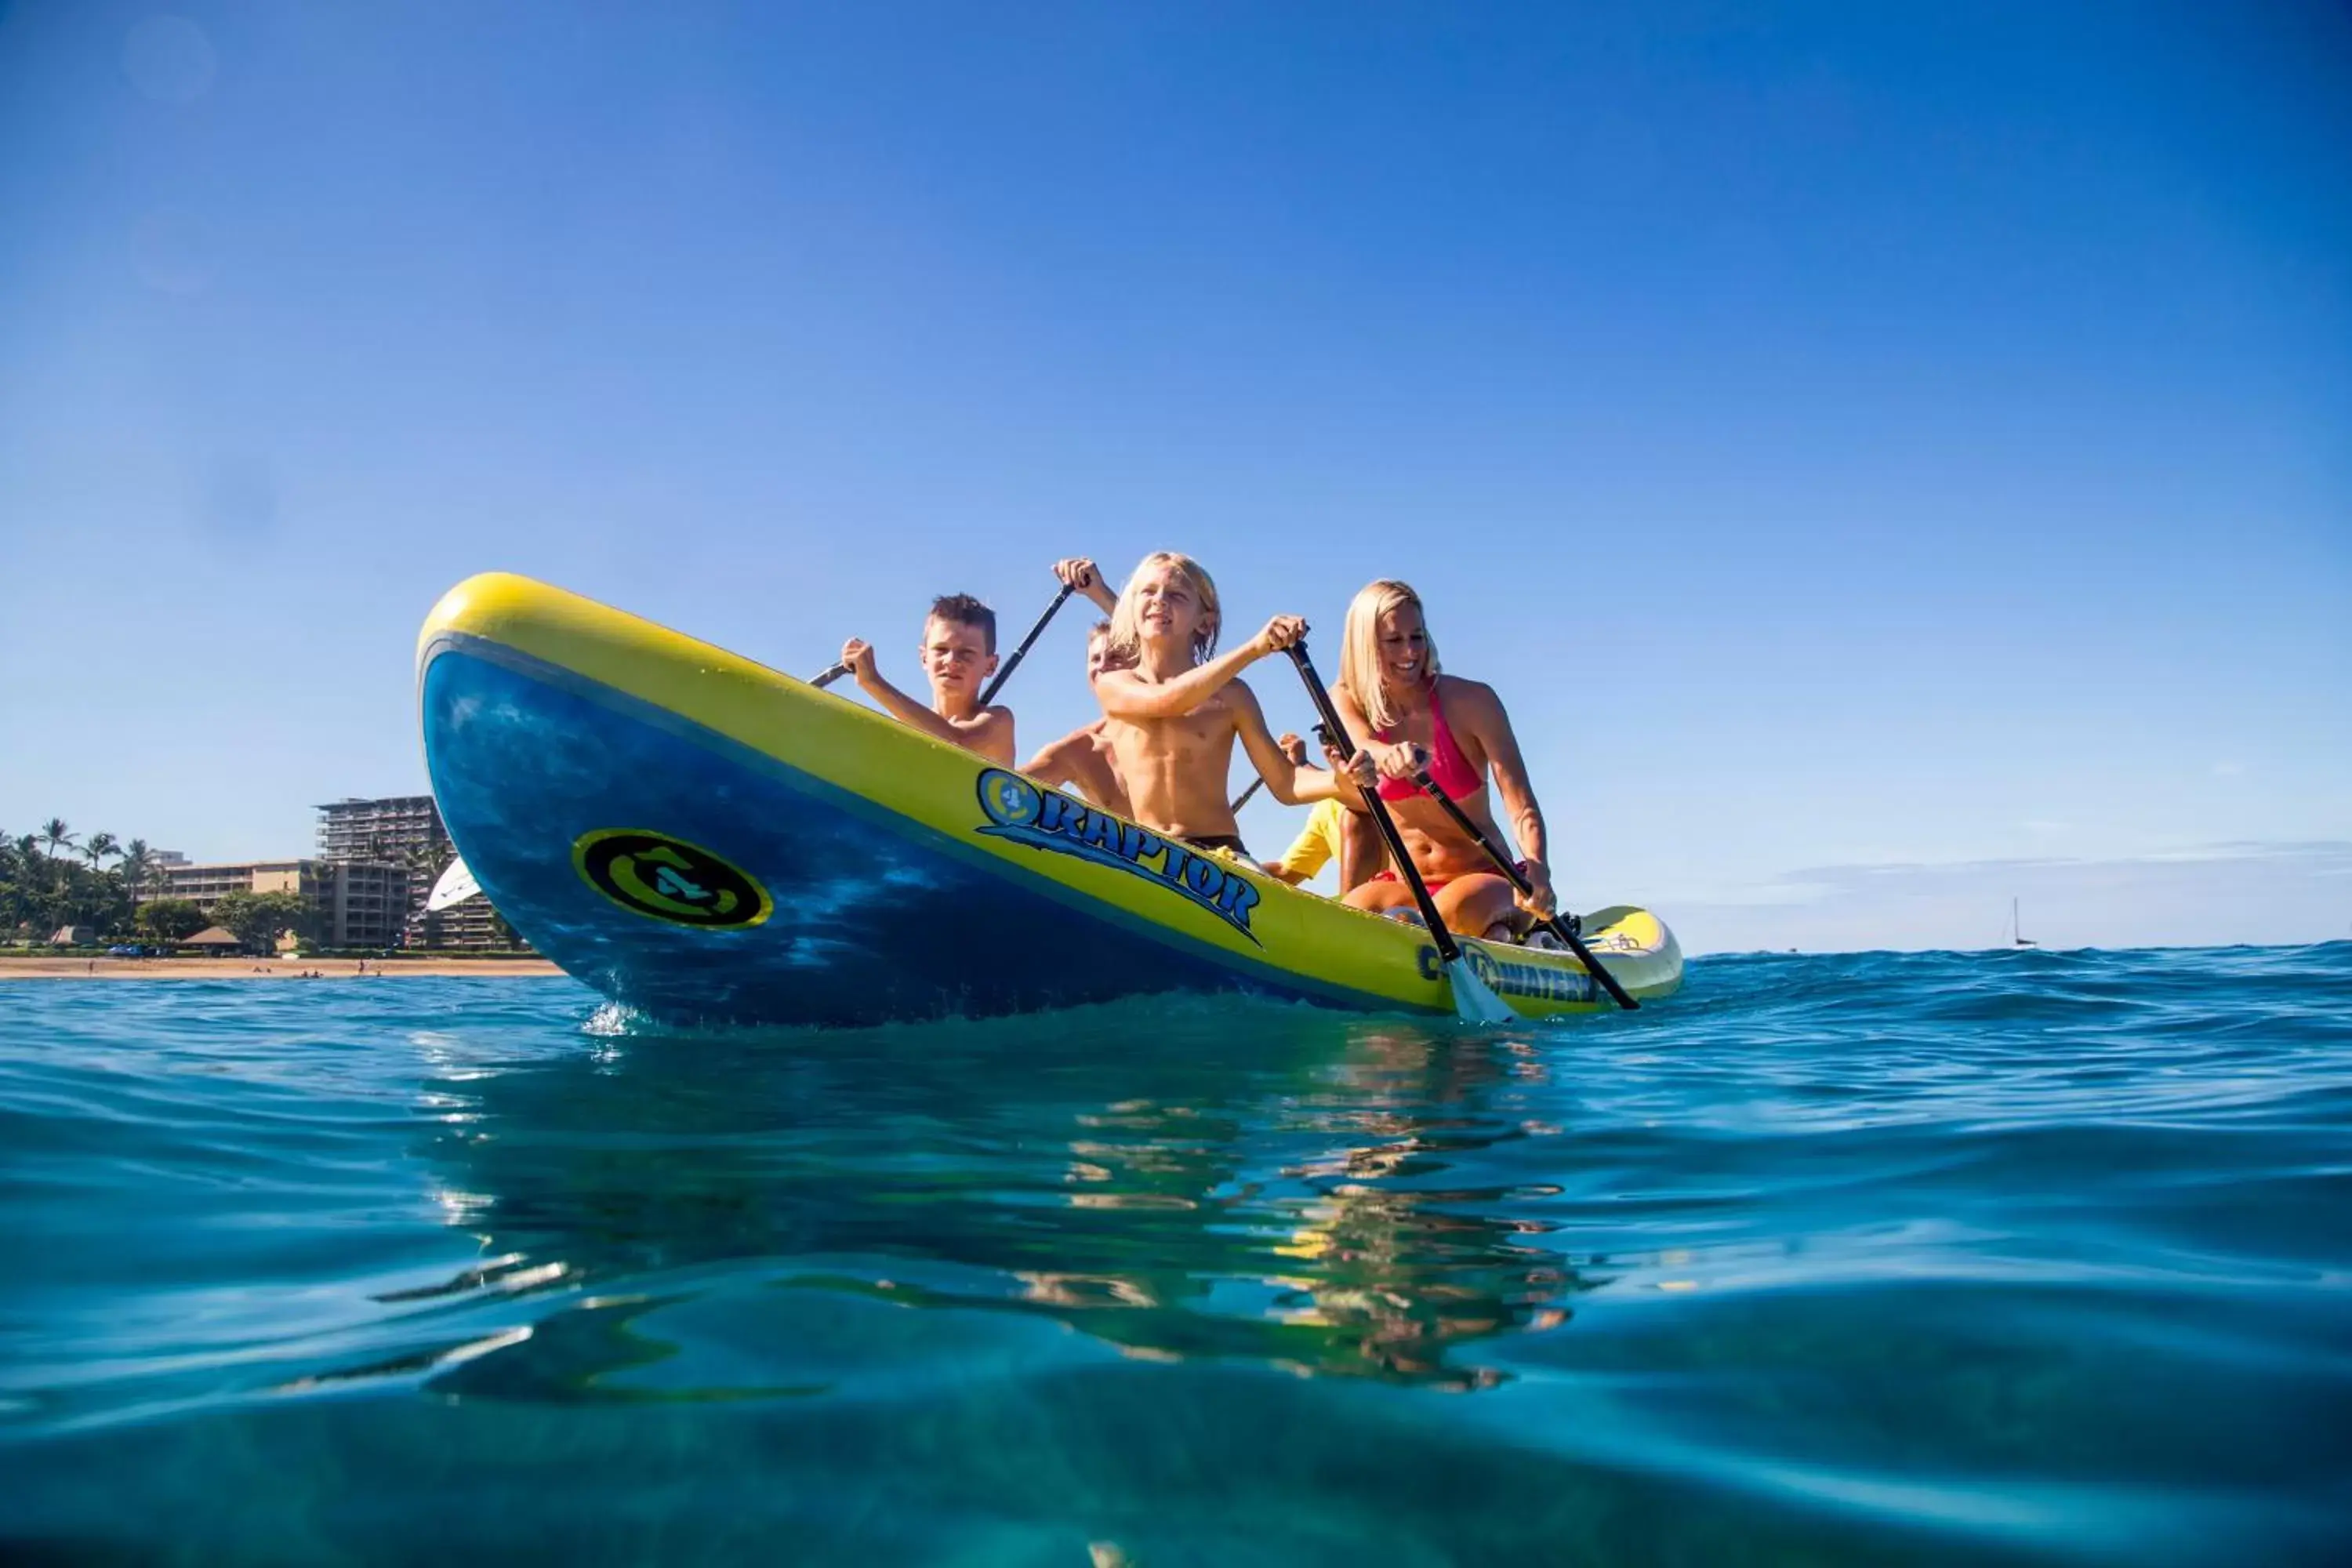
40 968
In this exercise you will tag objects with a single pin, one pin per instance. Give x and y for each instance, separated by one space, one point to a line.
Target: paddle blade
455 886
1475 1001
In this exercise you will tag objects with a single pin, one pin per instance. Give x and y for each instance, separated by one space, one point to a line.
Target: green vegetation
52 877
169 919
55 878
257 920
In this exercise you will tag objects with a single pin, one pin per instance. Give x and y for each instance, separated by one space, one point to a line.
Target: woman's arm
1125 695
1492 728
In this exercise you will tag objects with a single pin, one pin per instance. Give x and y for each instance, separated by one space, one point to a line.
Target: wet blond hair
1360 648
1125 624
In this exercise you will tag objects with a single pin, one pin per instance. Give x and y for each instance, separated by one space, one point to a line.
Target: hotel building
355 903
406 830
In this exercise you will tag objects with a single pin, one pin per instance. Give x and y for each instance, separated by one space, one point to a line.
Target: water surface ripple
1875 1258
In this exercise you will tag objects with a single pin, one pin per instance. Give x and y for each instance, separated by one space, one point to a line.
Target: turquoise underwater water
1879 1259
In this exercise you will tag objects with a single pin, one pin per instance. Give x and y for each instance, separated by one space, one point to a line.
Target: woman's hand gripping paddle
1474 1000
1563 928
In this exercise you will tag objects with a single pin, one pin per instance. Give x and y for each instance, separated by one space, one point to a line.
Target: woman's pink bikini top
1448 768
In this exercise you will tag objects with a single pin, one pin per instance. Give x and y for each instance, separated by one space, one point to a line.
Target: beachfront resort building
406 830
353 903
366 887
390 829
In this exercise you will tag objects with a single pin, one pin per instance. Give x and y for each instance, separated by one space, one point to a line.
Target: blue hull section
876 918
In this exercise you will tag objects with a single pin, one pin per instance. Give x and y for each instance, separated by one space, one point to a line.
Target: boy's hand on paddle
1360 769
858 653
1282 632
1538 900
1294 748
1079 574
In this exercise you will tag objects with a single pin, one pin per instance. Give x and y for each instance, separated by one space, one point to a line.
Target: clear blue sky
1848 436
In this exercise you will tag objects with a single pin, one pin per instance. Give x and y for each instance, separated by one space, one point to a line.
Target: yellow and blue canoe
705 840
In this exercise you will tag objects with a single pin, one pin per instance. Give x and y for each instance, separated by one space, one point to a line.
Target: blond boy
1176 707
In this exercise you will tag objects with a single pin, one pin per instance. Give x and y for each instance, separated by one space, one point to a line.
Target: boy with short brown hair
958 655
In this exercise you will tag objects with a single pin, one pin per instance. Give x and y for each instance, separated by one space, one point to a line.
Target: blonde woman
1409 716
1179 706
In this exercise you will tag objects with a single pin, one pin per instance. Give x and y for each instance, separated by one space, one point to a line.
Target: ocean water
1870 1260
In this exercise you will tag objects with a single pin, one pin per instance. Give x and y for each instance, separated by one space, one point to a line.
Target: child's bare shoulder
1243 697
1232 699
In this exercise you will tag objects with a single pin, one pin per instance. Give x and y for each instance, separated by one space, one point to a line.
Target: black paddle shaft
1345 744
1013 663
1564 930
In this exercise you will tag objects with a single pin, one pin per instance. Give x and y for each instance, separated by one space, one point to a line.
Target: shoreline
86 968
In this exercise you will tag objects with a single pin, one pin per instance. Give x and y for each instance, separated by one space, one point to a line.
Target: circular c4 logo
667 878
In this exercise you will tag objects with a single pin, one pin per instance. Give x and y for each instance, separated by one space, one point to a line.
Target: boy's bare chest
1210 724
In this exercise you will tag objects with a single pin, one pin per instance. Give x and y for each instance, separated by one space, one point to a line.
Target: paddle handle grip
831 674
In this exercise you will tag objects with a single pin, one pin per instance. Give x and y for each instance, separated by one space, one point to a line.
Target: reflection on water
1939 1259
1279 1194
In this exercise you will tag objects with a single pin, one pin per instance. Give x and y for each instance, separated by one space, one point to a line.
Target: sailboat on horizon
2017 938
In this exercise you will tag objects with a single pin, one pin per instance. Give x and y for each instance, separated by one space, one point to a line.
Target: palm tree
58 836
137 866
424 863
100 847
27 861
28 864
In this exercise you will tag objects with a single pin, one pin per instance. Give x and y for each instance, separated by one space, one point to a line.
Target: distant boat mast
2017 937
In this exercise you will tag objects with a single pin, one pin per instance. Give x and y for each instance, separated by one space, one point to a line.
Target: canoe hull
706 840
